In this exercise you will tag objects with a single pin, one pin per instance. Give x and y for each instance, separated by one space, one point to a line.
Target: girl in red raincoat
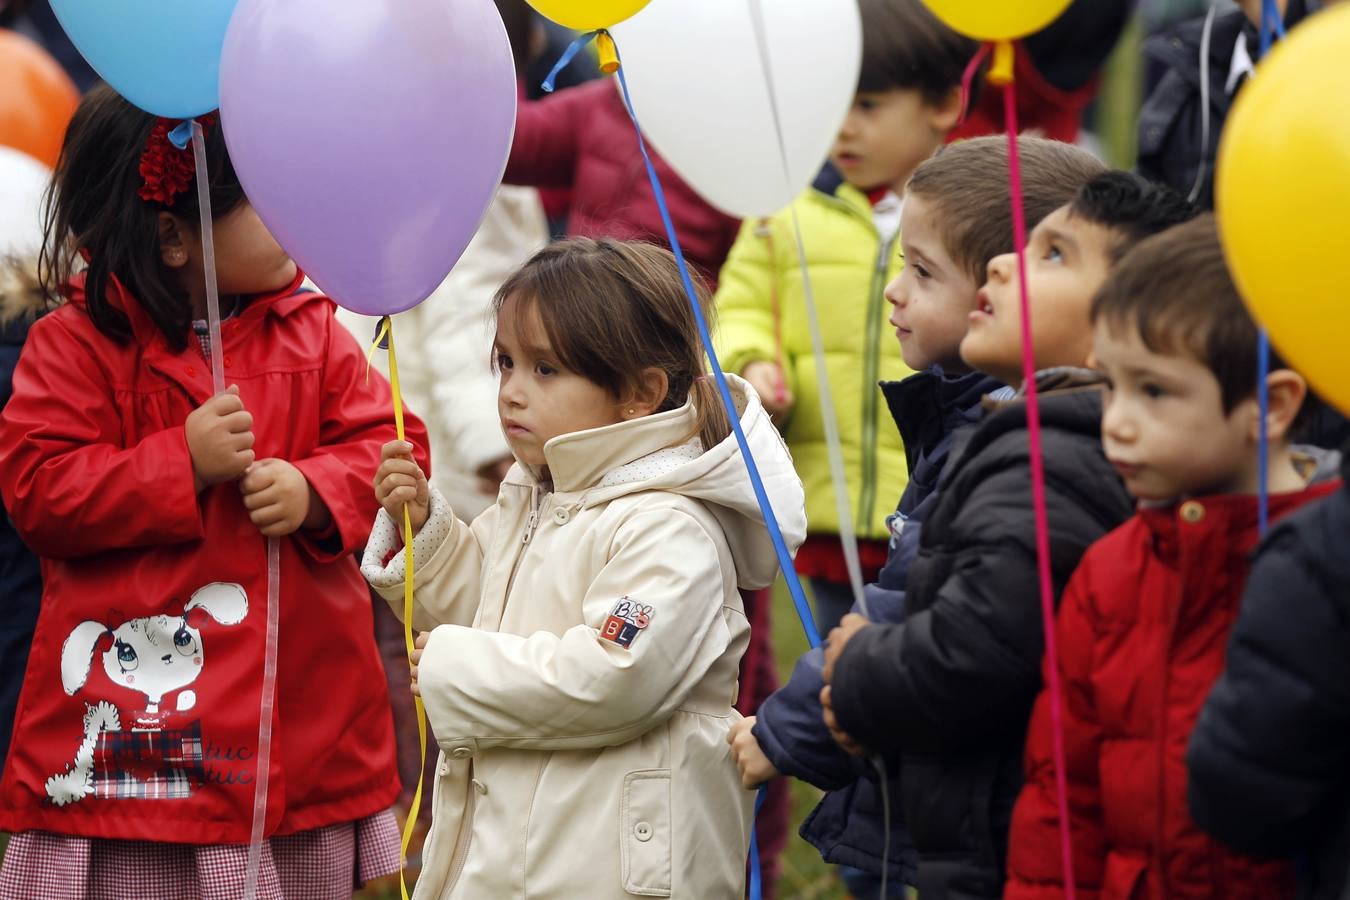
150 501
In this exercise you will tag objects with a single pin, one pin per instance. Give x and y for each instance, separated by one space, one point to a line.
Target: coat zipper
867 495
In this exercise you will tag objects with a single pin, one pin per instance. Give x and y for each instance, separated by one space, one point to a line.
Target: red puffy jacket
1143 629
581 138
139 712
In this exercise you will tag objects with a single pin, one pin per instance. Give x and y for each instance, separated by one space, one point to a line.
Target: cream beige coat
572 766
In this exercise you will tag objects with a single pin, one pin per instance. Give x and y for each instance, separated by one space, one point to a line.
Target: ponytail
711 415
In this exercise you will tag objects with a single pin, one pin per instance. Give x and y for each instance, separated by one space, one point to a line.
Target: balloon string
1271 24
756 482
267 700
968 80
566 59
1036 449
208 257
385 338
848 538
756 891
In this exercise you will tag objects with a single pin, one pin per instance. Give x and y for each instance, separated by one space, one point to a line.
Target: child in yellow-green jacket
908 99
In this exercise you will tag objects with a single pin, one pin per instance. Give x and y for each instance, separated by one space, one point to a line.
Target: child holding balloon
137 747
583 635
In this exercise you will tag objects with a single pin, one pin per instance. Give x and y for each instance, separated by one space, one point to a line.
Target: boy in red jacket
1145 620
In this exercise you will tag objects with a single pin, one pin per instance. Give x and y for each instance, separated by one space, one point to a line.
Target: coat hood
21 296
657 453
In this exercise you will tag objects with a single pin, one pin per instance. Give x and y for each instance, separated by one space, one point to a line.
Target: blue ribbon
756 482
756 879
181 136
1271 26
566 59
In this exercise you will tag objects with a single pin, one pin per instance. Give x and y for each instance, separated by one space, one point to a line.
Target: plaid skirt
322 864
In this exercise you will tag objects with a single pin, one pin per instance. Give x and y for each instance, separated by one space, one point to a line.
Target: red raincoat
139 712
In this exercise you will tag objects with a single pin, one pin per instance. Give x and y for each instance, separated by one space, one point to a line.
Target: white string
265 706
208 257
847 536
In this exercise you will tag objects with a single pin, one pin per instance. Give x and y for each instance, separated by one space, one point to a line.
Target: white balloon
22 183
698 84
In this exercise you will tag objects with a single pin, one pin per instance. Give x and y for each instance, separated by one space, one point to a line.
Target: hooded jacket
583 664
139 713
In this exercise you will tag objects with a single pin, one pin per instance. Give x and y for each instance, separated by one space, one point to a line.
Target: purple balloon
370 135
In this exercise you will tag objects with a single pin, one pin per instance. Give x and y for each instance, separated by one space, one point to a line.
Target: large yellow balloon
588 15
997 20
1283 200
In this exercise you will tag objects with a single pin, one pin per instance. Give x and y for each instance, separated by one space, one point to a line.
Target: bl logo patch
625 622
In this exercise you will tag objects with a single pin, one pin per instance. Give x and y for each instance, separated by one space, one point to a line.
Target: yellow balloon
588 15
997 20
1282 195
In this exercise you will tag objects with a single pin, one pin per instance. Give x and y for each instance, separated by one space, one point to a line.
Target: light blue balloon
162 55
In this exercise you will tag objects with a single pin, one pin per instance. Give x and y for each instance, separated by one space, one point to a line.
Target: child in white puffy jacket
583 635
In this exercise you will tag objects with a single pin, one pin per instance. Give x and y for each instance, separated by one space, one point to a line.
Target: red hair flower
167 170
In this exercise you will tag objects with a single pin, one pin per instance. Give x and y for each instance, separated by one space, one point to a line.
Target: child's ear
653 385
1287 391
173 245
944 115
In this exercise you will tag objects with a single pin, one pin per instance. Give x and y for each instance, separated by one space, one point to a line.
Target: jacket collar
145 332
1231 518
580 460
928 405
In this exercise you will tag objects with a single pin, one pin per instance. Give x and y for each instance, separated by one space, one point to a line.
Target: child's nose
1116 424
1000 267
895 295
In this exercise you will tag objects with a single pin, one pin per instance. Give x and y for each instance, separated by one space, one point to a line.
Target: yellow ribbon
387 330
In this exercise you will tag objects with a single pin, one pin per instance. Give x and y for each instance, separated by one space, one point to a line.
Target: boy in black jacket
950 689
1270 757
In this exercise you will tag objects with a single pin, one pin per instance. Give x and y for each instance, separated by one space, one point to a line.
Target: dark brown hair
966 186
1130 207
612 309
1175 291
93 208
905 46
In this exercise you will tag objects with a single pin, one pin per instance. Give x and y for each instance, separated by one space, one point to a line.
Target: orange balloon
37 98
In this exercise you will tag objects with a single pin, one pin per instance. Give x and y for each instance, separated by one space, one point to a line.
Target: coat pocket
645 833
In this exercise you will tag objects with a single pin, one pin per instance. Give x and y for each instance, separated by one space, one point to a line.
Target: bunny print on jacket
153 656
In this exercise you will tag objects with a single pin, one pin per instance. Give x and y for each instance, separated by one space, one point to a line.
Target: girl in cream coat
583 635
